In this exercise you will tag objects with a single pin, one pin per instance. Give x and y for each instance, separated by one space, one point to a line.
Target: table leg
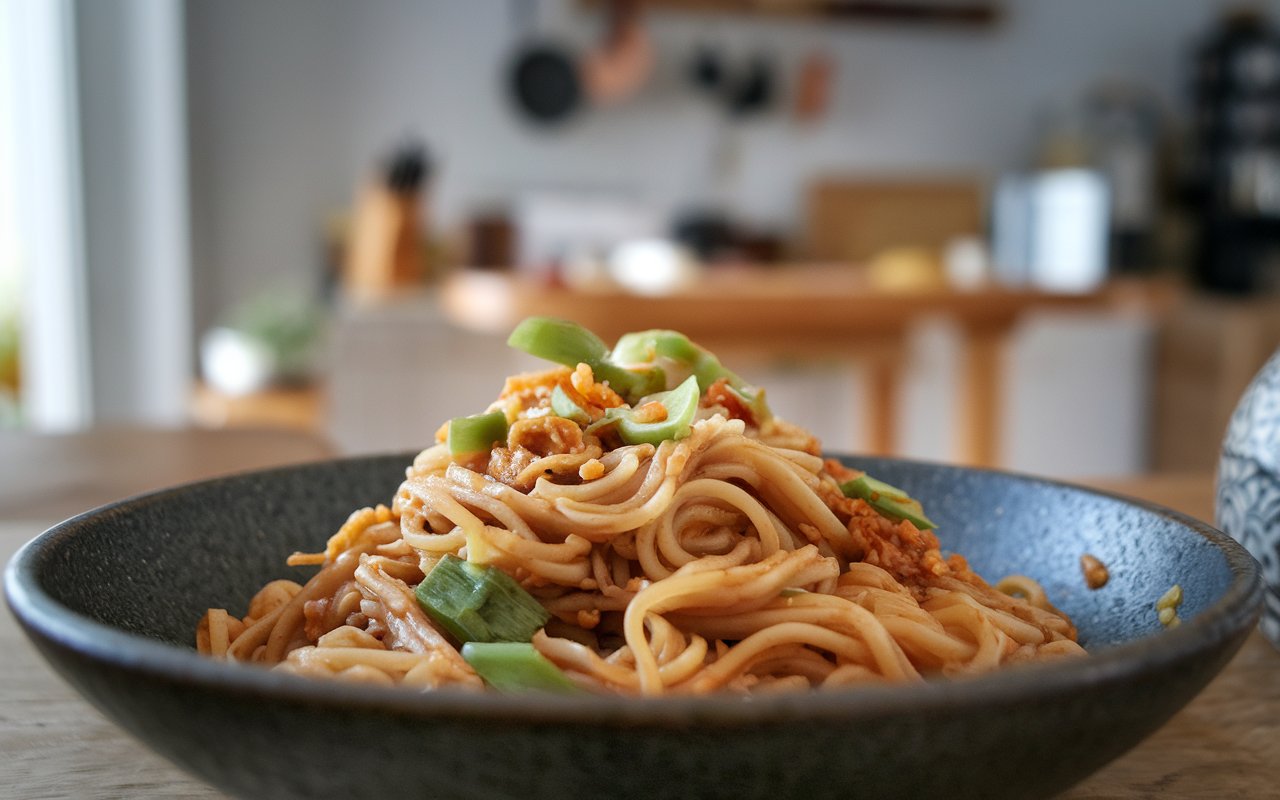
880 421
981 388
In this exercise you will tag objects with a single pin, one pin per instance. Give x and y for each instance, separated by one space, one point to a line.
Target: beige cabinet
1209 348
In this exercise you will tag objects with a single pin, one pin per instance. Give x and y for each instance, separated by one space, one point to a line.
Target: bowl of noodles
628 577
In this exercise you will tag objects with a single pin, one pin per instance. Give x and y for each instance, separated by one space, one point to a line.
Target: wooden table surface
1225 744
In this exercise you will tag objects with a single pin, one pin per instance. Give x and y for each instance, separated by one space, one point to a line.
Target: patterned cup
1248 498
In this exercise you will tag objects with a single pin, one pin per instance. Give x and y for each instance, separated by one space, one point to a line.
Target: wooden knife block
385 249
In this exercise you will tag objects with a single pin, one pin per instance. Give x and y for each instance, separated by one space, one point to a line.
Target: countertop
820 307
1226 743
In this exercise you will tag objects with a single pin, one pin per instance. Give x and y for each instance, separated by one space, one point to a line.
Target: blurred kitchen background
1035 234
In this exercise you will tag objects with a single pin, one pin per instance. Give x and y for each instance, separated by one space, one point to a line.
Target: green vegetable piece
643 347
681 404
516 667
478 603
888 500
571 344
558 340
565 407
647 347
476 434
753 398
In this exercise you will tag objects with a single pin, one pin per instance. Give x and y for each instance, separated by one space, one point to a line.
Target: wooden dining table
798 312
1224 744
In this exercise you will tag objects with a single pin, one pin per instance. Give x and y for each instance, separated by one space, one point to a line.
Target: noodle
728 558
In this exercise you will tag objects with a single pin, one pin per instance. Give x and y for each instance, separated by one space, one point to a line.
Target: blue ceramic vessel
1248 497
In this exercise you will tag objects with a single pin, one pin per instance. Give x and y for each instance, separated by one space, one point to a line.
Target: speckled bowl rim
1238 608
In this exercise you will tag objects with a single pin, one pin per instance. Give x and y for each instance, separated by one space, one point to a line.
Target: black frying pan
545 83
543 75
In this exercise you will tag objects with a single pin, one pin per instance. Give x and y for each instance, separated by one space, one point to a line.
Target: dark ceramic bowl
112 596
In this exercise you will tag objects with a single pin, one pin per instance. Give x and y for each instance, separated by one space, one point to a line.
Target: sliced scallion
515 667
563 406
888 500
476 434
479 603
647 347
681 404
569 343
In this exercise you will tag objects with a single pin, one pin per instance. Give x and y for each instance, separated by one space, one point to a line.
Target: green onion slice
479 603
516 667
476 434
652 346
890 501
563 406
681 404
569 343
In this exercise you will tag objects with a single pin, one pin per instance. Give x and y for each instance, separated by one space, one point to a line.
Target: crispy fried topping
719 394
545 436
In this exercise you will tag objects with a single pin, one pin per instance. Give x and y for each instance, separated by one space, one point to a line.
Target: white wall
130 72
40 170
290 102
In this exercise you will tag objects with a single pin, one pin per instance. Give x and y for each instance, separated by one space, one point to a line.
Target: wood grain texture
815 308
1225 744
855 220
55 744
52 477
981 391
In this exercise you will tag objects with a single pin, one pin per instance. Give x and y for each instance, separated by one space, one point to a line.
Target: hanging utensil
624 61
753 93
813 87
543 76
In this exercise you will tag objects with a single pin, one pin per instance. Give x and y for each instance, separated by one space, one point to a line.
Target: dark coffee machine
1236 164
